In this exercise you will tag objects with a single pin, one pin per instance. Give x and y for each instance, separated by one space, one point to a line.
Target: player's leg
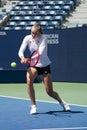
31 75
47 80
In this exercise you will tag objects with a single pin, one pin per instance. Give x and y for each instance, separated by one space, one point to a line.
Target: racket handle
28 60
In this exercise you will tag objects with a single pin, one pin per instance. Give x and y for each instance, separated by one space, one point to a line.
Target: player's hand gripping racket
33 59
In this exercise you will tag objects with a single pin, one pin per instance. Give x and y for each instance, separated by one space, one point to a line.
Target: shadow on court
14 115
56 113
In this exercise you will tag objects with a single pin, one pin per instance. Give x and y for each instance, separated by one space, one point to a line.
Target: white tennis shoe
33 110
65 106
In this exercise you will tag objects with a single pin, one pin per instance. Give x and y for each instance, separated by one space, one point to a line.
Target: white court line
73 128
14 97
39 100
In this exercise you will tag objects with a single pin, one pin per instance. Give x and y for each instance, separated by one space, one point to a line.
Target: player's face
35 33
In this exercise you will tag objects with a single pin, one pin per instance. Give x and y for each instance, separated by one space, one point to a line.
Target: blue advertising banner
67 50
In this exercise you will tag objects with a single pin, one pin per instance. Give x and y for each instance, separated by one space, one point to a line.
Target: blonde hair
38 28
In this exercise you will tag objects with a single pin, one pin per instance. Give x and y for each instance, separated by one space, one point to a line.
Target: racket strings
34 58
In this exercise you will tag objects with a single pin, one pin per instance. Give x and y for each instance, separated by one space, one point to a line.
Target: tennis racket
33 59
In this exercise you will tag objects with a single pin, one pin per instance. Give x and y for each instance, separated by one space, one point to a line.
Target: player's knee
29 80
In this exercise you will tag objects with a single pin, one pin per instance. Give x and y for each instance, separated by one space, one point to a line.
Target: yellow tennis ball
13 64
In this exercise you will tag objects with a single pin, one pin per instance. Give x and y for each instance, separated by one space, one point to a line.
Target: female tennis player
38 41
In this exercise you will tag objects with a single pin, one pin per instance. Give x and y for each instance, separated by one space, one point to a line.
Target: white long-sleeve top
39 44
